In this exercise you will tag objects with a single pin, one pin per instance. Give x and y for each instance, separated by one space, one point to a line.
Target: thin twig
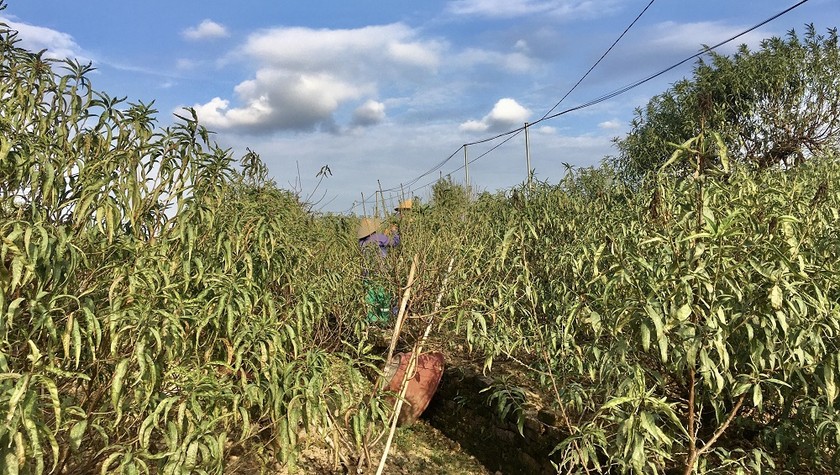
425 337
544 352
692 432
689 467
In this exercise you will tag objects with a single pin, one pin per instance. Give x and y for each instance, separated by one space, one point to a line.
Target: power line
513 133
600 59
638 83
516 131
605 97
425 174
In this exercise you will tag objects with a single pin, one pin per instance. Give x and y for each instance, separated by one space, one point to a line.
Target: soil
416 449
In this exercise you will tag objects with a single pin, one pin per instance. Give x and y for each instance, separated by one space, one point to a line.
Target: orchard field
166 308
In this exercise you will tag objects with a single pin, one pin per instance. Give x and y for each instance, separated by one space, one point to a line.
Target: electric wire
602 98
705 50
516 131
599 59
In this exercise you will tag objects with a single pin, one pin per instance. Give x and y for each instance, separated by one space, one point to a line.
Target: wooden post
527 159
382 197
466 170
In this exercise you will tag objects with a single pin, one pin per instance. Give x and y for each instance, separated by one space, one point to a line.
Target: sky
383 93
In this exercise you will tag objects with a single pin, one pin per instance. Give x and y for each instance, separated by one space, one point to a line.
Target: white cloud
305 76
369 113
562 9
473 126
207 29
507 113
364 50
185 64
513 62
689 37
58 45
611 124
279 100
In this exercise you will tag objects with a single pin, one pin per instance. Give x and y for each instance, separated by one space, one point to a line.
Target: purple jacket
380 240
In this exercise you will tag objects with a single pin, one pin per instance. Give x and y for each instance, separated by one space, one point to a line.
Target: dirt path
417 449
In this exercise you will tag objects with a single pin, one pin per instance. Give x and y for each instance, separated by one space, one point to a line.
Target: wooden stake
412 361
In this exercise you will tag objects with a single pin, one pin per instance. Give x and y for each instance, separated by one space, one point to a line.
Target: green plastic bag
379 303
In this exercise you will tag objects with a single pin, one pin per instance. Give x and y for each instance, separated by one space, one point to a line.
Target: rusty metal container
421 385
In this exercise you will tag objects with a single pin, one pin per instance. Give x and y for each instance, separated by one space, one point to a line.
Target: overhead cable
605 97
599 59
705 50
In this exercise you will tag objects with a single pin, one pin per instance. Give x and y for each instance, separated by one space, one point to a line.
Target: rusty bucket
421 386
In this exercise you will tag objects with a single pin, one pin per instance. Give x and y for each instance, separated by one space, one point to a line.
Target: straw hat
367 227
406 204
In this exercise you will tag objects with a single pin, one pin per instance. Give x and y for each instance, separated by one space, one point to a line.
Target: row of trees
680 304
693 327
163 307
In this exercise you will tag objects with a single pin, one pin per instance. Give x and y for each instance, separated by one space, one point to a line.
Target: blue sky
382 92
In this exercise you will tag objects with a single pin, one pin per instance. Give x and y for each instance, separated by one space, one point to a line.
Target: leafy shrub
690 324
161 310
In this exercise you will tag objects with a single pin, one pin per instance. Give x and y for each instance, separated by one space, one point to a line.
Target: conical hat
367 227
406 204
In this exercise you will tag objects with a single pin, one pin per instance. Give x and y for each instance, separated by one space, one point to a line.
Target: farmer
374 247
404 207
403 215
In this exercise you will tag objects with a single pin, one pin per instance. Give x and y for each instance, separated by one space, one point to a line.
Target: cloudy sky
383 93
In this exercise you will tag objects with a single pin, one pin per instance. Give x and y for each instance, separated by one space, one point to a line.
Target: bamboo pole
403 303
411 368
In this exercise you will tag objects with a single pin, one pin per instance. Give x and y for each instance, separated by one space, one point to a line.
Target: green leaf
53 391
10 464
20 389
106 465
661 339
683 312
192 455
35 443
76 434
617 402
830 386
17 270
116 388
12 310
776 297
681 150
722 151
34 353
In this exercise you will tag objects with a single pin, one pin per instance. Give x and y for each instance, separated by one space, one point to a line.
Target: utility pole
382 197
466 170
527 158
